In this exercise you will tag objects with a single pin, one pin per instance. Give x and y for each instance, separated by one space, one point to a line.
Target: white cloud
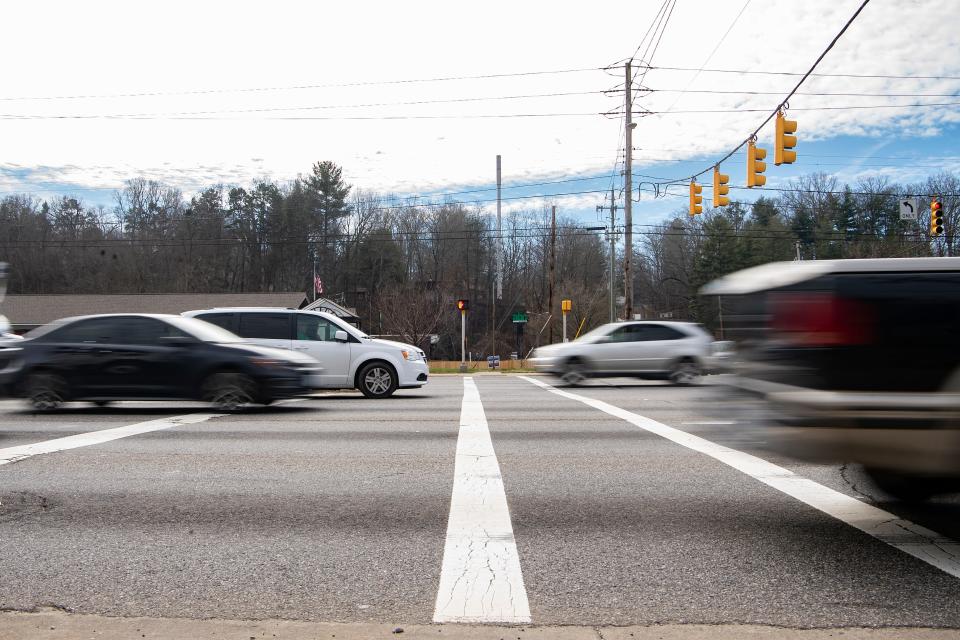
108 48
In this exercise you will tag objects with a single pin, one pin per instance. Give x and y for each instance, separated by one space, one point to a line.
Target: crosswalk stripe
15 454
480 579
920 542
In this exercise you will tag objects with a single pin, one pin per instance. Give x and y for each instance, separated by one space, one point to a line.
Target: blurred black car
111 357
855 361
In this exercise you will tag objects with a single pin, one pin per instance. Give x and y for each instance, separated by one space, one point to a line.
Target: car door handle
301 348
104 351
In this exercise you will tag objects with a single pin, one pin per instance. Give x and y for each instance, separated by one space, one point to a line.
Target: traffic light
936 217
695 198
720 188
785 141
756 166
463 305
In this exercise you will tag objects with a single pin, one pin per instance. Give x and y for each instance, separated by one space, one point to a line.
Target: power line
809 93
302 118
309 107
301 87
709 57
851 107
813 75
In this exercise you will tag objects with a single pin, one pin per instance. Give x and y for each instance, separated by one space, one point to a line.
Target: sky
416 100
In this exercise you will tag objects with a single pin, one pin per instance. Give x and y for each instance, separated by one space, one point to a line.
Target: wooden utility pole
628 200
553 264
613 253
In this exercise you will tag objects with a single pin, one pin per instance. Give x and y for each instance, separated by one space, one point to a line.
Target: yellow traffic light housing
695 198
720 188
784 141
756 166
936 217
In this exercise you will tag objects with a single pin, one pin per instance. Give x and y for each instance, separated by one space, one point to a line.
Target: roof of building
329 306
25 311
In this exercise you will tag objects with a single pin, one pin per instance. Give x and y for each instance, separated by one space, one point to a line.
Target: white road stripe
480 580
15 454
920 542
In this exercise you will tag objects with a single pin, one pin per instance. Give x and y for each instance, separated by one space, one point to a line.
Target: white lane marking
480 579
15 454
920 542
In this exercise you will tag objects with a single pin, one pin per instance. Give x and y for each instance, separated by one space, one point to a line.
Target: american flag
317 285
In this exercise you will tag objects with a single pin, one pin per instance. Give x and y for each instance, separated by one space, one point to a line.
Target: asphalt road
337 508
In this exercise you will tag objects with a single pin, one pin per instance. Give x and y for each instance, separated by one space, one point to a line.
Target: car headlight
412 356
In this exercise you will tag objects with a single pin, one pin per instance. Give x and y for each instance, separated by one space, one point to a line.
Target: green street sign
520 316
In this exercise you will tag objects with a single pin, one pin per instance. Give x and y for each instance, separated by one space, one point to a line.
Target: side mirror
341 336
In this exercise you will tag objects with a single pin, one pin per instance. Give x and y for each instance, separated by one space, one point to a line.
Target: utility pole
613 251
553 262
628 200
497 284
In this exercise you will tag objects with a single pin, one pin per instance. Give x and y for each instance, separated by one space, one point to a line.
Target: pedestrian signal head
463 305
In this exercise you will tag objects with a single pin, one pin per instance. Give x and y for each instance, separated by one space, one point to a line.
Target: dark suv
857 360
111 357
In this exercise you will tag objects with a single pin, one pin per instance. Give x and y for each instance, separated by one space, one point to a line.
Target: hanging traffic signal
755 165
936 217
784 141
463 305
695 198
720 188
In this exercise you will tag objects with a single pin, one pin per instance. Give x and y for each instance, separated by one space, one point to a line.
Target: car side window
311 327
222 320
622 334
661 332
270 326
144 331
95 331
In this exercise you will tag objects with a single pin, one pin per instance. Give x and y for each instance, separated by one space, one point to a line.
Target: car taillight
820 319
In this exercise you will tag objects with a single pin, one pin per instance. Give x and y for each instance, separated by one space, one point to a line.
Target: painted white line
480 579
15 454
920 542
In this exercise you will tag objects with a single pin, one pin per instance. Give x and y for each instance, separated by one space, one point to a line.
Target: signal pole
628 201
553 260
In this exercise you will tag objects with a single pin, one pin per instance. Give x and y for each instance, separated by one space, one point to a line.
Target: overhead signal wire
789 95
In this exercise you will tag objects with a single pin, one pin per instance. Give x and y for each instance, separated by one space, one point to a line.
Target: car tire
377 380
575 371
45 391
229 391
907 487
685 372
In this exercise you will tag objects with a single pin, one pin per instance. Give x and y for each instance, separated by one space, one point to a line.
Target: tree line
402 267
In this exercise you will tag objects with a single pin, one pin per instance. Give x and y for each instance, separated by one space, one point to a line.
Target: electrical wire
300 87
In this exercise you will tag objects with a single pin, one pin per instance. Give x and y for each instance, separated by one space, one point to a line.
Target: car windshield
202 330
